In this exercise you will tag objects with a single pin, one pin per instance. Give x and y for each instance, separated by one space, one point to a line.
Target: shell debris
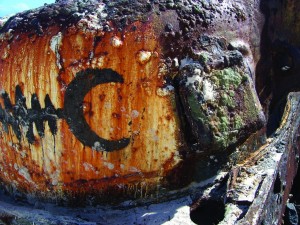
143 56
116 42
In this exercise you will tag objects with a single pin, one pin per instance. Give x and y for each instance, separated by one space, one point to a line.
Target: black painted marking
19 117
73 110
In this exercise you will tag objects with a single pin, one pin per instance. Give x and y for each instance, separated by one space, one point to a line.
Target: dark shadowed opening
209 212
277 185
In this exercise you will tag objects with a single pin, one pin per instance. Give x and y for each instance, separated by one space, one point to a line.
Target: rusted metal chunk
106 101
217 95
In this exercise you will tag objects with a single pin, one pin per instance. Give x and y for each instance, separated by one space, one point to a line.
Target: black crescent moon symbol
73 112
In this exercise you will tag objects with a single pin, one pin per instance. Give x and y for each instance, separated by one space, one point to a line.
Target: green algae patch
218 97
196 109
238 122
204 57
224 124
221 141
229 78
227 100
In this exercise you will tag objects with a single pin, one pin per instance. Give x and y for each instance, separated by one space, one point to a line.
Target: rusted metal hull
131 109
133 100
97 105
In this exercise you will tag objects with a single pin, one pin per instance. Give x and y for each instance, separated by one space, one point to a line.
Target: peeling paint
24 173
186 61
88 167
109 165
208 91
166 91
55 44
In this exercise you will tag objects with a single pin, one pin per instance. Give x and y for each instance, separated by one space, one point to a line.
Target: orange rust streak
29 66
131 110
116 111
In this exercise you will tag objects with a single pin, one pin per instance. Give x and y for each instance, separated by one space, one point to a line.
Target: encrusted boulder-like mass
218 96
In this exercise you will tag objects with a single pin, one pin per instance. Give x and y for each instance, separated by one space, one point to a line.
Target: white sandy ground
168 213
176 211
172 212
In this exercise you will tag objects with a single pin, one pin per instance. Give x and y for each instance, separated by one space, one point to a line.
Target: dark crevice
277 68
209 212
277 185
275 116
244 209
263 68
285 67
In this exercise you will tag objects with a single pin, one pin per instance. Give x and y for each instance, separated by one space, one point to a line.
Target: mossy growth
231 93
215 80
224 124
228 83
204 57
227 139
196 108
238 122
223 117
227 100
229 78
219 123
221 140
251 106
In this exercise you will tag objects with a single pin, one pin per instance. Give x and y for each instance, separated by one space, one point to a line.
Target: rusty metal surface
106 101
129 108
253 192
90 101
